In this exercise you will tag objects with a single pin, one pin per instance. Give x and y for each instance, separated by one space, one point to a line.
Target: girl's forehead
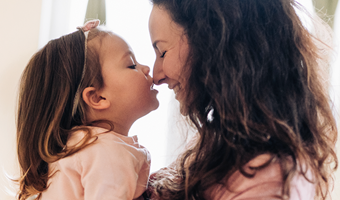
114 48
114 43
115 39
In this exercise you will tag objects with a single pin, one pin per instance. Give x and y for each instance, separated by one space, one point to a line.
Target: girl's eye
162 56
132 67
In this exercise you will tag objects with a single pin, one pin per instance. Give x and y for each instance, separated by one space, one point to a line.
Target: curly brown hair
44 119
254 68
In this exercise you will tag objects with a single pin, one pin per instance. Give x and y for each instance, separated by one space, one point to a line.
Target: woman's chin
183 106
183 109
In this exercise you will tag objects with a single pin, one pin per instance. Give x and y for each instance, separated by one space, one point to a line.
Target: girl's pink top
114 167
265 185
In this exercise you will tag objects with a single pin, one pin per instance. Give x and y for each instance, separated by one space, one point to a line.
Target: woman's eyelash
162 56
132 67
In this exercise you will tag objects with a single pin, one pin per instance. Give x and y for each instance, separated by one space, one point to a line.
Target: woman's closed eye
163 54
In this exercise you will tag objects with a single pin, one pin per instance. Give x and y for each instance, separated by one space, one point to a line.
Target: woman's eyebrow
154 44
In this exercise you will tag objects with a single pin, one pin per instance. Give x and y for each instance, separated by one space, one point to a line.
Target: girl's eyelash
162 56
132 67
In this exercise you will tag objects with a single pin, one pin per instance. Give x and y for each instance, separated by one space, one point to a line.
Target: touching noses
158 74
145 69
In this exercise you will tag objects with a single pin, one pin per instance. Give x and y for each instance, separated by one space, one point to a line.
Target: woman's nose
158 74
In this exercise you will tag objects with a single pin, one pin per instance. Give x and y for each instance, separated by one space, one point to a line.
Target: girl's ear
94 100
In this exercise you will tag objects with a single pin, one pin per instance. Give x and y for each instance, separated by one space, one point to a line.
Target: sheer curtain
335 91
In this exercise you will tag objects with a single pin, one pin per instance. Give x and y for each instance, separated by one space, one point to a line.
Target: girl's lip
152 89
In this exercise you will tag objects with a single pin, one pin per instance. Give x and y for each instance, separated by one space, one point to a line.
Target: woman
246 73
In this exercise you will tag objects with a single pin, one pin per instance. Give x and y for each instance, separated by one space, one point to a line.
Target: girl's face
127 84
171 47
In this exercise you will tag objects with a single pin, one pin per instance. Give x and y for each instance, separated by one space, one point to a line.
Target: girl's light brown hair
255 67
44 119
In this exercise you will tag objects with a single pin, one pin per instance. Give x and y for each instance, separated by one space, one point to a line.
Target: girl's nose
145 69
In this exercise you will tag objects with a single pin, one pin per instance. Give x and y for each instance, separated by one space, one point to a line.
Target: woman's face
171 47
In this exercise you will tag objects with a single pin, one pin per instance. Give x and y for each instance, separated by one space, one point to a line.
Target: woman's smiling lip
176 88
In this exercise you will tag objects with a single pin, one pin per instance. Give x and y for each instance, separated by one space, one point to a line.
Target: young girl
79 96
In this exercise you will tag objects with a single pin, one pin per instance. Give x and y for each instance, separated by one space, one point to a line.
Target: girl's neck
123 130
121 124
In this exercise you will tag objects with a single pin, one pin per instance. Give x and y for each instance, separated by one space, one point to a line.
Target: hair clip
89 25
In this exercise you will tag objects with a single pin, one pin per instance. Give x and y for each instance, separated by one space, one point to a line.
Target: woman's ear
94 100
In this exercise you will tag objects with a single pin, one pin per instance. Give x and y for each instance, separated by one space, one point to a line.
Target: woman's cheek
170 68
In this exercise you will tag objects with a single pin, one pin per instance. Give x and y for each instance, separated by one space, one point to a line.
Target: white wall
19 33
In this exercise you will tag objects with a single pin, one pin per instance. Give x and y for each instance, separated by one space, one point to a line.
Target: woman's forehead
162 26
159 19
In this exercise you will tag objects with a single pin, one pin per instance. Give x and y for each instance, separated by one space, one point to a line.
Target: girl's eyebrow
128 53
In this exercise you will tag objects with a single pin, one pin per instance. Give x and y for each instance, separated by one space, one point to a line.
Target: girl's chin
153 106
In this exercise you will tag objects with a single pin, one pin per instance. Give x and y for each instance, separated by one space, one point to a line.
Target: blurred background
26 26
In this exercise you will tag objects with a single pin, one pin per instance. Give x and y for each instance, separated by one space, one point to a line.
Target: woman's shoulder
266 182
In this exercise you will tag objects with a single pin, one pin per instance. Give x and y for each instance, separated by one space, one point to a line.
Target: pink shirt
265 185
114 167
